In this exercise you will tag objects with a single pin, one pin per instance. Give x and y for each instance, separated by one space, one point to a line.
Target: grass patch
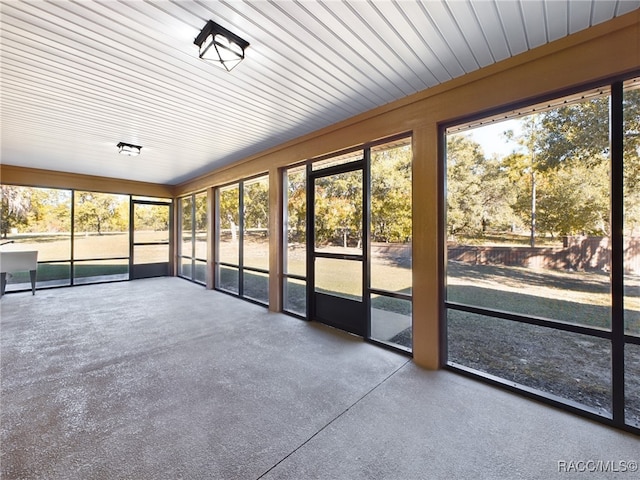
582 298
390 304
572 366
61 271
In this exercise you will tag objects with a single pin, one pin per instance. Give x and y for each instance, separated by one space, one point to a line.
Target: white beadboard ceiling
80 76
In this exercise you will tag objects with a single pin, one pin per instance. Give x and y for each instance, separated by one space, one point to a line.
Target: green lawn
582 298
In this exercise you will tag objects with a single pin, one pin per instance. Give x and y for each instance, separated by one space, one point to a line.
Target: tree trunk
234 235
533 208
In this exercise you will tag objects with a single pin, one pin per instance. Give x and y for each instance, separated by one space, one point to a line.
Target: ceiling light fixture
220 46
128 149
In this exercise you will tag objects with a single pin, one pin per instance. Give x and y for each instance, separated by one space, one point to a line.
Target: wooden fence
577 253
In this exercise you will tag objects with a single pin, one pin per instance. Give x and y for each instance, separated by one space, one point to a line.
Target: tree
50 210
391 195
297 205
573 200
528 163
151 217
256 204
201 212
565 153
15 204
97 212
229 210
576 154
631 105
479 193
338 209
464 169
186 204
575 133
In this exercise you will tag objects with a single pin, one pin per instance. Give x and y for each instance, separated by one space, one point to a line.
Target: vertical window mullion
73 230
617 251
366 238
284 222
241 239
131 235
216 239
311 187
193 236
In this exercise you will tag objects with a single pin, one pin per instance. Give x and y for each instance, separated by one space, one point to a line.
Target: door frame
348 315
149 270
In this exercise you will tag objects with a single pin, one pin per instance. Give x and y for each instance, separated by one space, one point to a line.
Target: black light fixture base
128 149
220 46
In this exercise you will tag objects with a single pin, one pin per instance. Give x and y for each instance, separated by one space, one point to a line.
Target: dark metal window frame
285 236
72 260
132 243
616 335
241 267
192 257
365 164
312 254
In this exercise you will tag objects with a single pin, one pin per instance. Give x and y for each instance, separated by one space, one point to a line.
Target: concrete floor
162 379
